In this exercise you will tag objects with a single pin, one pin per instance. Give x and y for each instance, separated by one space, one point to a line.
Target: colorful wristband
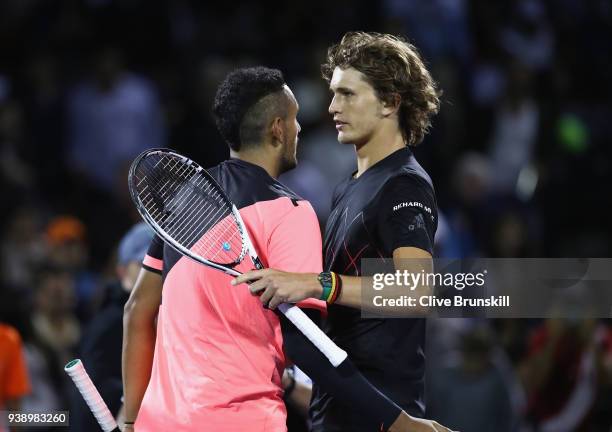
332 286
325 279
337 289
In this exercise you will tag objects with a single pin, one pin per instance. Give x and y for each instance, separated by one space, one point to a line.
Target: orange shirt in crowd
14 382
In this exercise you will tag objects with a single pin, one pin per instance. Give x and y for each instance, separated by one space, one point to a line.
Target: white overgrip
333 352
96 404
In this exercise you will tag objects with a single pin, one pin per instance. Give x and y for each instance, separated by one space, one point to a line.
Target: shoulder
294 212
408 182
248 184
407 169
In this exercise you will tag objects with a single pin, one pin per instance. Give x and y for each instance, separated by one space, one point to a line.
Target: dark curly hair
244 103
393 67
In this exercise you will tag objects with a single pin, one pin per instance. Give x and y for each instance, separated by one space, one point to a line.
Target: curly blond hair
393 67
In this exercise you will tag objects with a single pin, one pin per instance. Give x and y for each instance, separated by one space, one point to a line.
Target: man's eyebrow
339 89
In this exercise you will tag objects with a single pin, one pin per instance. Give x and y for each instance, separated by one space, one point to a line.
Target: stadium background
519 154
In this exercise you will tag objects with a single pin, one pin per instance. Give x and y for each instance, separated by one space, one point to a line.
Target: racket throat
257 262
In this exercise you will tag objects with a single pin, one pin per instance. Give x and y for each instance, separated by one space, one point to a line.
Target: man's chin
288 165
343 138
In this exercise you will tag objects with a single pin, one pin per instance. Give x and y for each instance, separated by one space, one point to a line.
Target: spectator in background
113 116
44 115
100 346
22 248
566 358
470 394
515 131
471 189
14 171
53 319
14 382
45 373
68 250
529 36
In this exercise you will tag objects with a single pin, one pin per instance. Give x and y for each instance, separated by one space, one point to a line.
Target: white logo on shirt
412 204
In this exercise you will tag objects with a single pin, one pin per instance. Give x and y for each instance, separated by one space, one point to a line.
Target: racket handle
333 352
77 372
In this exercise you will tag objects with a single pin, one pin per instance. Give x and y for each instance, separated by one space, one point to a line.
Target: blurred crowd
518 155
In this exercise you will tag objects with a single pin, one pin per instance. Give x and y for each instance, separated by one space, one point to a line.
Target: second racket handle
333 352
81 379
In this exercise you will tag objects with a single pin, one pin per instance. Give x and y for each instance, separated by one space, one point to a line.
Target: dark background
519 156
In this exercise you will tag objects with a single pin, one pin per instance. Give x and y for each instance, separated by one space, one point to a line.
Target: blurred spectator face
55 294
70 255
472 178
67 247
355 107
510 236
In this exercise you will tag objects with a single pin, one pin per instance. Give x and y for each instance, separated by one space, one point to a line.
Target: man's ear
278 131
391 106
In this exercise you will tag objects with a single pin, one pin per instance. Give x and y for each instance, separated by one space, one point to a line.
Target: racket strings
212 238
186 205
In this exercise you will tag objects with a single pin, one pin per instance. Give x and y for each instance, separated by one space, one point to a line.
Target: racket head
187 208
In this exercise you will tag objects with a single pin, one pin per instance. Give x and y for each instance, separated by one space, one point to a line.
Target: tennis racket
80 377
188 209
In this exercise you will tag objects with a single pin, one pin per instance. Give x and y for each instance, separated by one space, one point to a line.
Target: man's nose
333 106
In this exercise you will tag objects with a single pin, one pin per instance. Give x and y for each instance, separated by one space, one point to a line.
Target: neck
377 148
259 157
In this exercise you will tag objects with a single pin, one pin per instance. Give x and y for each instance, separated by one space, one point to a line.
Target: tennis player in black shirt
383 98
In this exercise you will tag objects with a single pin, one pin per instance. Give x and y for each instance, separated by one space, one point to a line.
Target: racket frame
144 213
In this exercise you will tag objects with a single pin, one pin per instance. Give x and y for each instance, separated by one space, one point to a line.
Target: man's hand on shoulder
275 287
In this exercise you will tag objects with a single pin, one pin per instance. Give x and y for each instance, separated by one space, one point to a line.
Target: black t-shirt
391 205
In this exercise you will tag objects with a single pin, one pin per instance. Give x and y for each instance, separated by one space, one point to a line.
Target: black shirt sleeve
408 214
155 255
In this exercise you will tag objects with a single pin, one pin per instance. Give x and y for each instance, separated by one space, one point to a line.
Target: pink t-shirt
219 354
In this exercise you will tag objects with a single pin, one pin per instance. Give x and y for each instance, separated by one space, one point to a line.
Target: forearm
137 360
345 381
352 295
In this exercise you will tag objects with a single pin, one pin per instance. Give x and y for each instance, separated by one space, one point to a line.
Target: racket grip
77 372
333 352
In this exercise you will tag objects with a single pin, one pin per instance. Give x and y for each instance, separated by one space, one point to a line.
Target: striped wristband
332 286
336 288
